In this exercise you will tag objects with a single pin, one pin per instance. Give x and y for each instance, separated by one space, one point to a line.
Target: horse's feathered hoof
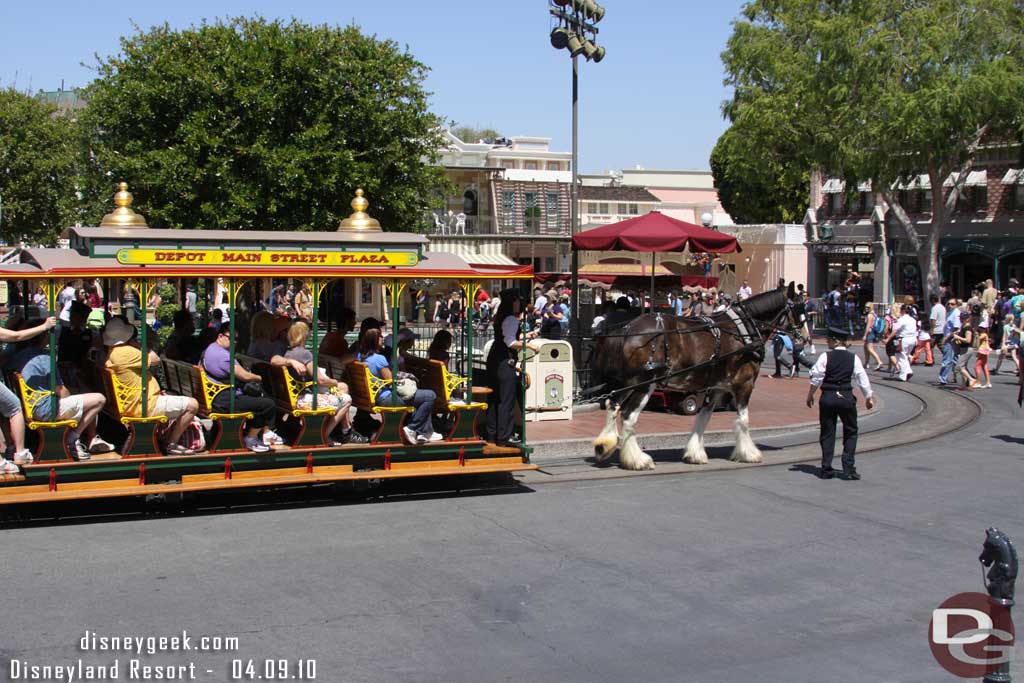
633 458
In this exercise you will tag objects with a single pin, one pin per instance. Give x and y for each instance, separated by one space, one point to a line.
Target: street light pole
574 215
576 31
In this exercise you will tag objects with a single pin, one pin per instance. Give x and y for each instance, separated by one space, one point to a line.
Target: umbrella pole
654 256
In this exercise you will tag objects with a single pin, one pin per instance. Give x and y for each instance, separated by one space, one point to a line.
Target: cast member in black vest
502 361
834 373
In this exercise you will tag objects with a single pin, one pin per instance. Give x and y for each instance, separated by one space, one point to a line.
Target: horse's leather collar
741 326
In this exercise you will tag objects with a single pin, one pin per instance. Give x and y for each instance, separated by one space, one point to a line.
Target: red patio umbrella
655 232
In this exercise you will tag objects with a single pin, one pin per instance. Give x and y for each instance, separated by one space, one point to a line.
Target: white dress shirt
509 330
818 373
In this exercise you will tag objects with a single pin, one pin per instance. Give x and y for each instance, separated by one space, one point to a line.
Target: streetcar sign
255 257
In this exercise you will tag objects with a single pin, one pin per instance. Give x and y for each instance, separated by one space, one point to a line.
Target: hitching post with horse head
719 354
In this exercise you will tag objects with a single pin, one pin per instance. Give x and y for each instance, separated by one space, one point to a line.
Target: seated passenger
334 343
217 363
300 359
183 345
74 345
439 346
125 360
10 405
406 339
33 362
419 425
265 342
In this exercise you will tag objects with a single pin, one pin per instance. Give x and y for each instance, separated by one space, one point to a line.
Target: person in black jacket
834 373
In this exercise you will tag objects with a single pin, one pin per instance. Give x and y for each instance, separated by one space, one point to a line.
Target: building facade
511 203
853 230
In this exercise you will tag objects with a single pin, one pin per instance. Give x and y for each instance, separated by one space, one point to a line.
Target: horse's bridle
778 325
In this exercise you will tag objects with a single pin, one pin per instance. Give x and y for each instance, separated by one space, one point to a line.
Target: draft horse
719 354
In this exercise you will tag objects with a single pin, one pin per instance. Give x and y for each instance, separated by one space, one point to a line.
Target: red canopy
652 232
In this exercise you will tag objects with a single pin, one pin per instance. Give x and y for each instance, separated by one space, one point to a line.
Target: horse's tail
607 361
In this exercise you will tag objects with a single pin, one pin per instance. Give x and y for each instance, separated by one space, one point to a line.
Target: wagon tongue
593 391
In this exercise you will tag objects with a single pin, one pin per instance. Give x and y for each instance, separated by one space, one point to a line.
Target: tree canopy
471 134
256 124
879 89
37 152
758 186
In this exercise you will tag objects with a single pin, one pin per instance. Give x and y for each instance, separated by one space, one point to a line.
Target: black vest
838 371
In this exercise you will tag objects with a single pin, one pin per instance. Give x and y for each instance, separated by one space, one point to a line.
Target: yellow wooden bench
30 400
364 387
434 375
141 429
286 389
192 381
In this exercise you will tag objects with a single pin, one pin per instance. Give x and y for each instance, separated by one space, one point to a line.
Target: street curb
543 450
942 413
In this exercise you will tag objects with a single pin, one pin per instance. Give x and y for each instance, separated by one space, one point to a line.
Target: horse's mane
765 305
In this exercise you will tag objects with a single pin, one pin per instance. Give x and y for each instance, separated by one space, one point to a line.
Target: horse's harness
748 332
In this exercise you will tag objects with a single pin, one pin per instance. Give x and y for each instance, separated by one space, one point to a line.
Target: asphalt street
754 574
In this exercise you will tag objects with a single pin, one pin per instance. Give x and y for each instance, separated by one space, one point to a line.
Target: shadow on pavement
804 468
1008 439
233 502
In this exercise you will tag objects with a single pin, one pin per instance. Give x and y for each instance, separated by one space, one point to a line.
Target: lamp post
575 31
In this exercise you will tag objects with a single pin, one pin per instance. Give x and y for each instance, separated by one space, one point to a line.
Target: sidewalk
775 404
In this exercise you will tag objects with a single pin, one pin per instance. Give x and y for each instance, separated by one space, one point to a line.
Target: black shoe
852 475
510 443
827 474
776 375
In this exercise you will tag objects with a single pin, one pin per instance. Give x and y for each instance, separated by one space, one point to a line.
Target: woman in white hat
125 361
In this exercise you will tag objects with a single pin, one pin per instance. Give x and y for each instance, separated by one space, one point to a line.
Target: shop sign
252 257
841 248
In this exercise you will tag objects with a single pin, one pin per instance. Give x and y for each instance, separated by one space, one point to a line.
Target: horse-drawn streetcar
233 273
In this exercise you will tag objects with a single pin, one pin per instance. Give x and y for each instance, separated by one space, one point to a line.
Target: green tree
471 134
256 124
880 89
758 186
37 153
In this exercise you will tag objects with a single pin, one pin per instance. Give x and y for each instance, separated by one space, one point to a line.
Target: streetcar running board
290 476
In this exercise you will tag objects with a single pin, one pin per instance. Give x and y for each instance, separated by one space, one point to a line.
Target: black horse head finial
999 554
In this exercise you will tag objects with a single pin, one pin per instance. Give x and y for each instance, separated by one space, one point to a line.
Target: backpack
879 325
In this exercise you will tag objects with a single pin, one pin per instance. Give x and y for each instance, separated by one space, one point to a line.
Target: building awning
834 186
864 186
487 255
1013 176
916 182
974 179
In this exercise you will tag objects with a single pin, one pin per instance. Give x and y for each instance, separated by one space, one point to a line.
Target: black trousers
835 406
778 348
263 409
501 412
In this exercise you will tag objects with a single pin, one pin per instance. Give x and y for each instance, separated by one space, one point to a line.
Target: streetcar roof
46 262
238 237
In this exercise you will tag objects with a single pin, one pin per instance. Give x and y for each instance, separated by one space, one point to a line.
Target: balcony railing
485 225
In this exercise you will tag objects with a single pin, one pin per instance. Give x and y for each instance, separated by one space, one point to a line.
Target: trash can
550 389
550 395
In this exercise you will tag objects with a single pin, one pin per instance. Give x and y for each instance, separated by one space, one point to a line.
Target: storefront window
869 202
908 277
980 198
837 202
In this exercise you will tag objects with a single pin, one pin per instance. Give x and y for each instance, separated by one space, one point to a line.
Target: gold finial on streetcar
360 221
123 216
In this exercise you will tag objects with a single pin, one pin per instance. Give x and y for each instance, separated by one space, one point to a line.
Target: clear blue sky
653 101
